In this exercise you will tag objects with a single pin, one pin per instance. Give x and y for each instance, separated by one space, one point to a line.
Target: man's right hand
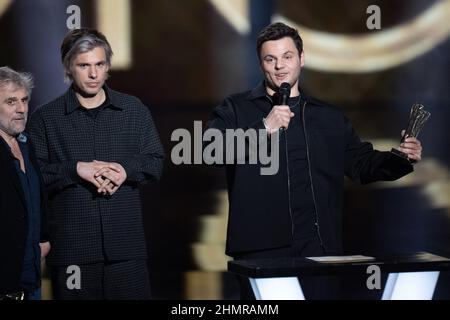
87 171
279 117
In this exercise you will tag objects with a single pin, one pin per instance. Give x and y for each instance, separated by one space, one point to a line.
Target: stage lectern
411 276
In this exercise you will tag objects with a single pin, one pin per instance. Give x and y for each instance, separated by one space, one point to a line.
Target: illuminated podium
411 276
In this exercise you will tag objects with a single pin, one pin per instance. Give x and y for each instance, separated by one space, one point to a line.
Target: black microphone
284 92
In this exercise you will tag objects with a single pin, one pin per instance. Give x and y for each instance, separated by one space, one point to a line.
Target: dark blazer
13 220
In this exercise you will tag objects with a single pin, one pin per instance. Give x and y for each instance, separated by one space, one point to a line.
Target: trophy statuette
417 118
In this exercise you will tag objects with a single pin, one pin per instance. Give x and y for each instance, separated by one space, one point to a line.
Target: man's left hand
45 249
413 148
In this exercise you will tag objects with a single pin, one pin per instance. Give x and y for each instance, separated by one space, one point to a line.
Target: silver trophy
417 118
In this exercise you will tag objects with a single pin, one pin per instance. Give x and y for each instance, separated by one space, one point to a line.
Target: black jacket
259 212
13 220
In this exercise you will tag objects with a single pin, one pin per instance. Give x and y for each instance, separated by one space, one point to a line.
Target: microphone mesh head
284 92
285 87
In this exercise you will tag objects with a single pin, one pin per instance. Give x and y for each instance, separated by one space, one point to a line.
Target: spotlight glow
372 52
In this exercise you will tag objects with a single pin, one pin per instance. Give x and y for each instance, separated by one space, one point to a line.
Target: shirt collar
258 92
22 138
72 102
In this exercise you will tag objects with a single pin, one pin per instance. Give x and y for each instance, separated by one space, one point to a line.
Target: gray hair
20 79
81 41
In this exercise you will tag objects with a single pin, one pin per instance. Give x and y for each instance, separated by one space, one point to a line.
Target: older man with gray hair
23 240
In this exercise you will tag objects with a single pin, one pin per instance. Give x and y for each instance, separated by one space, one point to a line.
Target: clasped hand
107 177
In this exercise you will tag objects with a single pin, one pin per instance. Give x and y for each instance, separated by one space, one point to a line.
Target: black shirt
302 204
95 111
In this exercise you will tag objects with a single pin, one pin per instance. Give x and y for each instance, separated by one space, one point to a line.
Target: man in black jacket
297 211
95 146
23 238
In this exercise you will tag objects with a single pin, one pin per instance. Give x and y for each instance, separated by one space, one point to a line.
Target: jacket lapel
10 170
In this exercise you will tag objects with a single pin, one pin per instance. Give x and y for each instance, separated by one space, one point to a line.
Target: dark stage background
182 57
